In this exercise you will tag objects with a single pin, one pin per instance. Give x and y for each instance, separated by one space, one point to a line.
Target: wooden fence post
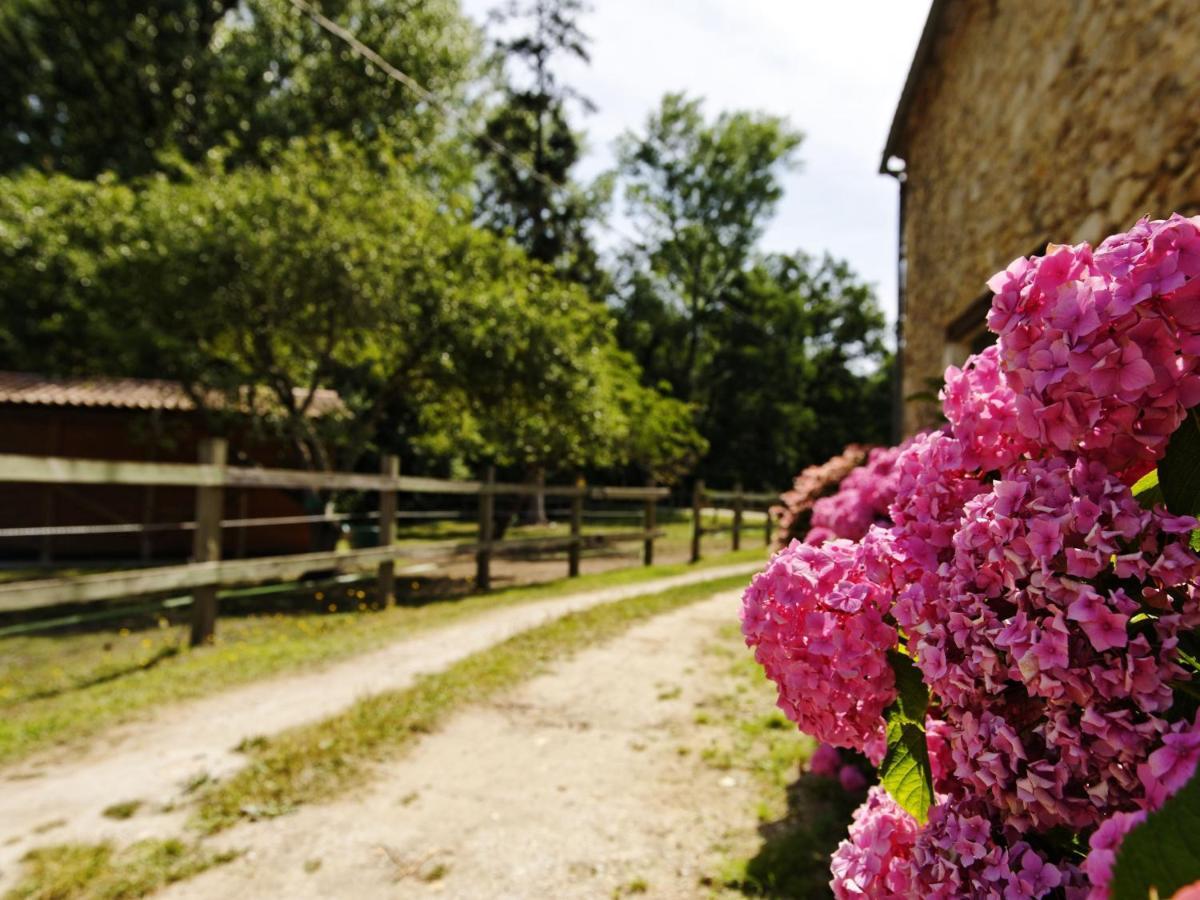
697 522
206 542
576 548
649 523
487 512
390 467
737 516
767 530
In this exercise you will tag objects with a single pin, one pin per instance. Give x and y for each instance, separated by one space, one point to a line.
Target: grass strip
319 761
801 816
100 872
63 689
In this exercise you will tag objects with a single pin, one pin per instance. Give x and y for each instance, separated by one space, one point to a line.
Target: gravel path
56 799
584 782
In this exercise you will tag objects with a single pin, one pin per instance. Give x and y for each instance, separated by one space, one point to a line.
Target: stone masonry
1027 122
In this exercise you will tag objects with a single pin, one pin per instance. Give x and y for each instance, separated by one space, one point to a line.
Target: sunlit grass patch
320 761
101 872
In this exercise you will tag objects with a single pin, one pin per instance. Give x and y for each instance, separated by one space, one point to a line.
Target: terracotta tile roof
30 389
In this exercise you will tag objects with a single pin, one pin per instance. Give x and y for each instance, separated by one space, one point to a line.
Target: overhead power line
400 76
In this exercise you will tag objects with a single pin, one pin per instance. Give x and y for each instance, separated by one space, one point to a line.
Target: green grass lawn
63 688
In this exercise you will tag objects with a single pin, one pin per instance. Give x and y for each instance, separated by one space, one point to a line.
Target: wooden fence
207 572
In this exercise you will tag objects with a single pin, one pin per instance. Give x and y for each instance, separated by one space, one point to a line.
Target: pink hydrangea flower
1024 636
1101 348
982 411
1173 764
818 629
873 863
851 779
961 853
934 482
825 761
863 499
794 514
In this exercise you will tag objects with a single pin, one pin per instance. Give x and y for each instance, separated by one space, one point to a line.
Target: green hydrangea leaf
905 772
1163 853
1147 491
1179 469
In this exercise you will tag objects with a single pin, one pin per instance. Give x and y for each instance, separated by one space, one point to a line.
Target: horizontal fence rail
207 572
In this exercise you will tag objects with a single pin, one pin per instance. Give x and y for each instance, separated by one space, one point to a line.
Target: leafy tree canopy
535 200
324 271
700 193
137 86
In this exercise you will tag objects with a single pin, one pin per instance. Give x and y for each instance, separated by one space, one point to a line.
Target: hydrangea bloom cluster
1101 348
794 515
864 498
981 409
817 627
1042 604
875 859
959 853
1025 640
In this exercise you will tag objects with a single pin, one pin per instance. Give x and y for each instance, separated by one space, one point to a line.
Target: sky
835 69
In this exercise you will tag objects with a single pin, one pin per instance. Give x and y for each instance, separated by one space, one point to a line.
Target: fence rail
207 572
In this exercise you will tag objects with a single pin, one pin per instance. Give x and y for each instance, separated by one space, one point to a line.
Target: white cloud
834 69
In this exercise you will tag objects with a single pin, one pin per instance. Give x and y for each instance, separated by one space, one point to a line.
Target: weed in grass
197 781
435 872
636 886
125 810
101 872
49 826
311 865
250 743
670 693
61 689
318 761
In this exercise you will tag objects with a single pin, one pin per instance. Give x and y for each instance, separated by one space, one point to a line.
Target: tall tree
138 86
102 85
700 193
799 370
323 270
543 210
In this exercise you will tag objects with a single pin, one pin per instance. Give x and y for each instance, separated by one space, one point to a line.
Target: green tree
700 194
324 270
534 199
137 86
102 85
799 370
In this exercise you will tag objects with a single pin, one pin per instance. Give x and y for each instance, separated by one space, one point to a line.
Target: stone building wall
1035 121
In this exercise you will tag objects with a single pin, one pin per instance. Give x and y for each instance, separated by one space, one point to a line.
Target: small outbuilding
130 419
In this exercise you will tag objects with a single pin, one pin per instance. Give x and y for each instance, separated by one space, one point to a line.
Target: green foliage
905 771
1163 853
782 355
324 270
700 194
547 215
136 86
1179 470
799 370
100 872
1147 491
